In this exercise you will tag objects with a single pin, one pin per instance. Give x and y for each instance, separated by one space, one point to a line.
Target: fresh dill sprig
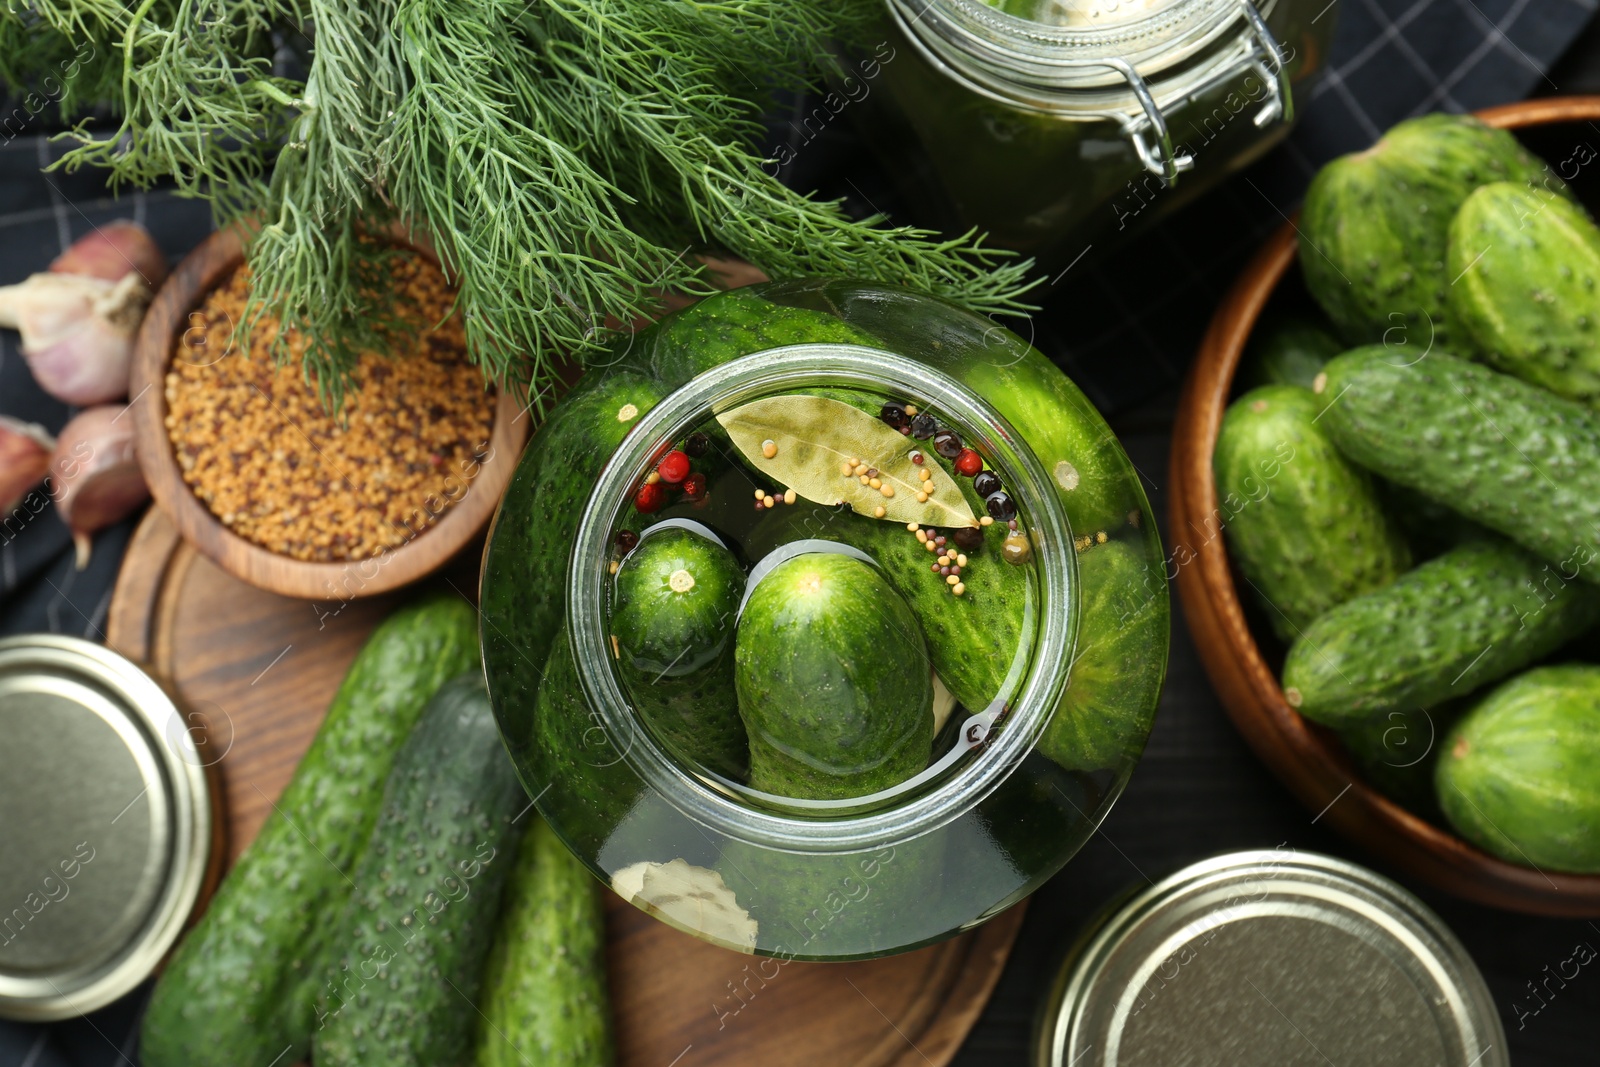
566 158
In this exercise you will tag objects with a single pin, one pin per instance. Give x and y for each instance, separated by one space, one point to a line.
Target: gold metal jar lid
105 826
1266 959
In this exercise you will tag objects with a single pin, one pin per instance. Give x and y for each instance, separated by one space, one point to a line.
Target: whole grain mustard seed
769 449
879 512
789 496
255 445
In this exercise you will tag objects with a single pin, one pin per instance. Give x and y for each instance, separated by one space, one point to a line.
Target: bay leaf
814 436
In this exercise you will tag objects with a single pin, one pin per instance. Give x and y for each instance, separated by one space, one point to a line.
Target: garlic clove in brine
78 323
25 451
94 474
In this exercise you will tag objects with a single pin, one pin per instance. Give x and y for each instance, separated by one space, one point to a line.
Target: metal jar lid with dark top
105 826
1276 958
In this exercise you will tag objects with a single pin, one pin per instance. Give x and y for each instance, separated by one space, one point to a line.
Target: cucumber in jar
673 612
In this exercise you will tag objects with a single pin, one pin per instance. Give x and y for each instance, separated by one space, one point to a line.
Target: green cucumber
523 589
1520 774
544 991
1525 264
242 986
1375 225
833 681
1303 523
1117 671
1092 476
673 615
1507 455
734 323
407 951
973 639
1289 350
1469 618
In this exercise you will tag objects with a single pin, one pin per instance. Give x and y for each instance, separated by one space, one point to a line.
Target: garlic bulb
78 320
95 478
25 450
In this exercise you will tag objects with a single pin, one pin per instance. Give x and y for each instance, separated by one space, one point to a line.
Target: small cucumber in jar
406 953
1119 664
544 990
1463 620
673 614
834 681
1304 524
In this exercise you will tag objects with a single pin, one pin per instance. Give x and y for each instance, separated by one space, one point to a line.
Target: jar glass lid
105 826
1261 958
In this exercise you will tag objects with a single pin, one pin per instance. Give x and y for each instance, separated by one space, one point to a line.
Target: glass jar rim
1036 700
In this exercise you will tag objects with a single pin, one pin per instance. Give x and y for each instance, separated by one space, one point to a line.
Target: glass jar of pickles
824 620
1051 123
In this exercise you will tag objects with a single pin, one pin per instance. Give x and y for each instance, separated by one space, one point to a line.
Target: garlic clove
95 476
77 332
111 251
25 451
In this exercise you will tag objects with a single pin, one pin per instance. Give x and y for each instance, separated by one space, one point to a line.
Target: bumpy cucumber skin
1526 264
407 952
1520 774
1289 350
1304 523
1503 453
729 324
1119 666
544 990
1469 618
1374 229
523 591
242 986
675 648
834 681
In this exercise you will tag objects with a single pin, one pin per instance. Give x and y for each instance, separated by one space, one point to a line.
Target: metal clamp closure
1148 131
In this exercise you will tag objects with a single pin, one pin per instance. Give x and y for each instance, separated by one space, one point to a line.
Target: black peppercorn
985 483
894 414
1000 506
697 445
923 427
947 443
969 537
626 540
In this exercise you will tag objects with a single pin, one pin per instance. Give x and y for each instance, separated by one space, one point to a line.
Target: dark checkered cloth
1125 330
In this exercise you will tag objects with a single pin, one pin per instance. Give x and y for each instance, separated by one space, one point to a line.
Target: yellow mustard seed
769 449
879 511
887 490
959 588
876 483
789 496
987 520
961 559
952 580
924 474
921 534
922 498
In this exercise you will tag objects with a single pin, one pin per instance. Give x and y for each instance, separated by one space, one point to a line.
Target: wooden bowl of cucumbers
1386 503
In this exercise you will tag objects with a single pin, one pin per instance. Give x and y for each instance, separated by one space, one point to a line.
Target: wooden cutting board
257 671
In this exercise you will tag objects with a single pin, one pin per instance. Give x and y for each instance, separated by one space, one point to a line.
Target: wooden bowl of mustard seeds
282 495
1307 758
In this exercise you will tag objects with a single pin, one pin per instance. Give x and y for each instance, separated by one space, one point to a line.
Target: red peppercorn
967 462
650 497
674 467
694 486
